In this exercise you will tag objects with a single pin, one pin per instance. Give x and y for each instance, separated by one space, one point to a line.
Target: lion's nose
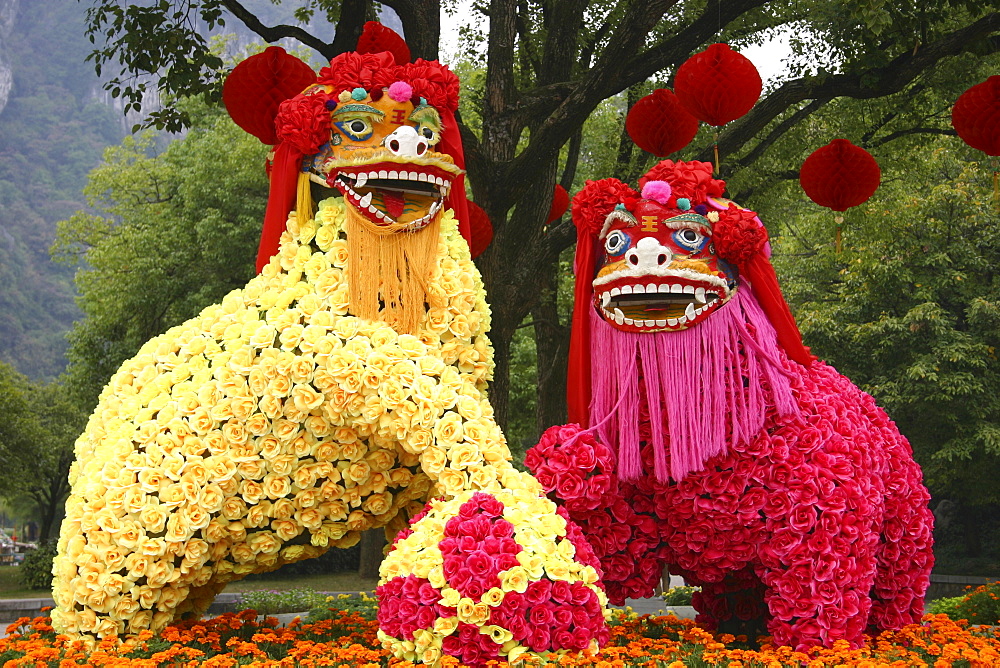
648 254
405 142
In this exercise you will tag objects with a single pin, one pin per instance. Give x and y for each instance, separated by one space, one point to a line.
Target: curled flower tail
477 578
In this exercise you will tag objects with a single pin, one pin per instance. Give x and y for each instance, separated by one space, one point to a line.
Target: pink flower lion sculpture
716 444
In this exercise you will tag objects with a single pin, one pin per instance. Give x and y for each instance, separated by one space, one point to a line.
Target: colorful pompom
401 91
658 191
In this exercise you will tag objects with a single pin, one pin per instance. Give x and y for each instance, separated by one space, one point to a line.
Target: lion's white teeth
366 200
383 174
360 180
626 289
605 300
619 316
661 323
689 311
615 292
422 177
629 321
699 294
676 288
651 288
393 175
689 289
671 322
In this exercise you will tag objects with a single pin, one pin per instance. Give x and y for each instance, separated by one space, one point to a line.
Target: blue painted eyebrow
358 108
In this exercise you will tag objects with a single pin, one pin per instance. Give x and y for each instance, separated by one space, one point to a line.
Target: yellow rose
451 481
233 508
281 509
286 530
264 542
463 455
448 429
153 517
276 486
433 460
251 491
378 504
242 553
514 579
251 469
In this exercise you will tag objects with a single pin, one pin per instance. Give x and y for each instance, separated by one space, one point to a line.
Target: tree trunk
372 542
552 347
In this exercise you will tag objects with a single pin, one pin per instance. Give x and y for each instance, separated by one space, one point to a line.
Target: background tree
37 432
548 66
170 234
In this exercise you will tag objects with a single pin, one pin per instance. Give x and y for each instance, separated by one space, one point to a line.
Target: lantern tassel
837 240
715 147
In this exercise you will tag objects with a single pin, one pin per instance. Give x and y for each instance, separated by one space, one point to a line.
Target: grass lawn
11 587
347 581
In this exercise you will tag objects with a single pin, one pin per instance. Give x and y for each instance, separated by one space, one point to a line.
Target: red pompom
255 88
659 123
592 205
481 228
840 175
718 85
976 116
692 179
430 80
304 122
560 202
351 70
738 235
376 37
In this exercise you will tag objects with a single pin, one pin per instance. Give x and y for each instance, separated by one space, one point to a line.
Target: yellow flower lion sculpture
338 391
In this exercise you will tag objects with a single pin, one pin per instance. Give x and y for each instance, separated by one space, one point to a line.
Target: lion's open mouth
395 193
660 305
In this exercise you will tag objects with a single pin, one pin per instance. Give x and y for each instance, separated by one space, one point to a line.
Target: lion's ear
592 205
255 88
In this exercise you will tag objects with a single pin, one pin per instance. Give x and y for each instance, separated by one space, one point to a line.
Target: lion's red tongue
394 203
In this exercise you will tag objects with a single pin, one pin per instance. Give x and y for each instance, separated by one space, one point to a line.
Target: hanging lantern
659 123
480 228
376 37
560 202
838 176
976 119
718 85
255 88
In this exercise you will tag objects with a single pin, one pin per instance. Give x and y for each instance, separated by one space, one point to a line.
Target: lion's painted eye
616 243
356 128
689 238
427 133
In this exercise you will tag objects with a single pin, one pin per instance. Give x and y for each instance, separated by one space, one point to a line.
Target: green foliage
945 606
909 311
37 434
36 569
979 606
276 602
362 604
172 234
679 595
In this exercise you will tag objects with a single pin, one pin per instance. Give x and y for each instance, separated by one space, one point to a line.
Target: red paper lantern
481 229
255 88
560 202
840 175
718 85
976 116
659 124
376 37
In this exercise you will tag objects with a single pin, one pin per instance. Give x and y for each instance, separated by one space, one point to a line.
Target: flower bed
347 639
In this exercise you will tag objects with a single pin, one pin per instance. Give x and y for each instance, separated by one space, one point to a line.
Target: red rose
738 235
304 122
692 180
593 204
431 80
356 70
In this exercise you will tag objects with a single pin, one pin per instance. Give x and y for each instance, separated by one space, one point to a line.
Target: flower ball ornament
487 577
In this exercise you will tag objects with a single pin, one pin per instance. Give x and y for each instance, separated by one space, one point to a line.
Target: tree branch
271 34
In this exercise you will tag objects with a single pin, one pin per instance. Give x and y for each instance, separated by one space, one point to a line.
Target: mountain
54 124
